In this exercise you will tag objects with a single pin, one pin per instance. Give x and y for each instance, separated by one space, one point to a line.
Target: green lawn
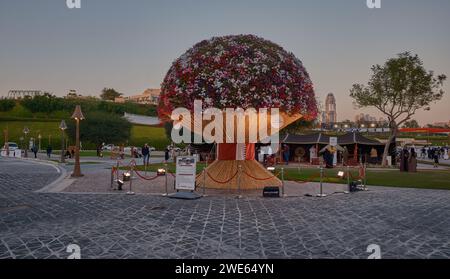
426 179
154 136
46 129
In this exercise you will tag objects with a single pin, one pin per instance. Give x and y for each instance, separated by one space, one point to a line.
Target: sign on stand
186 171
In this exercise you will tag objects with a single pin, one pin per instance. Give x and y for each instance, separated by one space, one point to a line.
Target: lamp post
77 115
21 142
26 131
39 137
63 127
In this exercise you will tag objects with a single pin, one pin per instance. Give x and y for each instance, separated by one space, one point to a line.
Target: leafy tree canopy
100 127
109 94
398 89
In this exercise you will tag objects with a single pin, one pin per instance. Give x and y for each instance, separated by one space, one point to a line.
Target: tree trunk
393 135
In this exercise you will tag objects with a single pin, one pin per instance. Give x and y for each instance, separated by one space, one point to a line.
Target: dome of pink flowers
238 71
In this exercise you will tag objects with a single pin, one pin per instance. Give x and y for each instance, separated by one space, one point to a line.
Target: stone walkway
405 223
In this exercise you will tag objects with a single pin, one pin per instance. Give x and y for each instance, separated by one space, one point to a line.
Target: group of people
432 152
35 151
408 160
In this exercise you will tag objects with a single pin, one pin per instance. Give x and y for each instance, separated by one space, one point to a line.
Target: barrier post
112 178
204 181
365 176
239 181
117 168
282 183
131 179
321 195
165 180
348 177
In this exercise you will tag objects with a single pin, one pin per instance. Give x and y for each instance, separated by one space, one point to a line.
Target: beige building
149 96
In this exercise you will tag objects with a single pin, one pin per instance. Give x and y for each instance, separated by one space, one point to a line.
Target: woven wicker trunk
223 174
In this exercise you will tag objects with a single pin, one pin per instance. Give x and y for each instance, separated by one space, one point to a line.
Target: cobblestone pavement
406 223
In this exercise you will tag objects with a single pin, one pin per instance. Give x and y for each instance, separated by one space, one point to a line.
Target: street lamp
21 142
77 115
63 127
26 131
39 137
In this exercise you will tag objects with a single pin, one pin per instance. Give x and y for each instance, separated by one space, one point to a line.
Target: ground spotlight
119 184
161 172
126 176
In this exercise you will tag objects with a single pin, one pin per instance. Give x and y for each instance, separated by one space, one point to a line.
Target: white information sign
186 173
333 141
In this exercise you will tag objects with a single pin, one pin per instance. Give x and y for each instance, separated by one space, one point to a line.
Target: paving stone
406 223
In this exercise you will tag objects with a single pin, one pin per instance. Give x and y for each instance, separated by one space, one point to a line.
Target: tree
7 104
411 124
398 89
109 94
100 127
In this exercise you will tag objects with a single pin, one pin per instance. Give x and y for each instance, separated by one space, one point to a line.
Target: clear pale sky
130 44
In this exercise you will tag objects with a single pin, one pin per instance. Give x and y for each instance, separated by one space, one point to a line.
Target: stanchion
165 180
348 177
365 176
321 195
112 178
239 181
282 183
204 182
117 168
131 179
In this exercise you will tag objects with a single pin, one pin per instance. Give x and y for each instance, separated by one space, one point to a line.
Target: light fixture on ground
78 116
119 184
63 127
126 176
161 172
26 131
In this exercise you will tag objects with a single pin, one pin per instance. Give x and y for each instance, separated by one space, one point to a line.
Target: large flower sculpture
242 71
238 71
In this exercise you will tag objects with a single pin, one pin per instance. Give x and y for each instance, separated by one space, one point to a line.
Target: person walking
166 155
35 151
436 159
49 151
146 154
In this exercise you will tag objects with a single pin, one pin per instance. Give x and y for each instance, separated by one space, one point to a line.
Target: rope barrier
222 182
260 179
146 178
308 180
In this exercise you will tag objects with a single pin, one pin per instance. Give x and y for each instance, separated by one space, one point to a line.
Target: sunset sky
130 44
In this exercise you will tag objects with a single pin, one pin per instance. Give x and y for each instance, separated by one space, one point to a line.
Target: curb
55 185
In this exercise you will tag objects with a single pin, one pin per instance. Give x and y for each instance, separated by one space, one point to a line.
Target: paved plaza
405 223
